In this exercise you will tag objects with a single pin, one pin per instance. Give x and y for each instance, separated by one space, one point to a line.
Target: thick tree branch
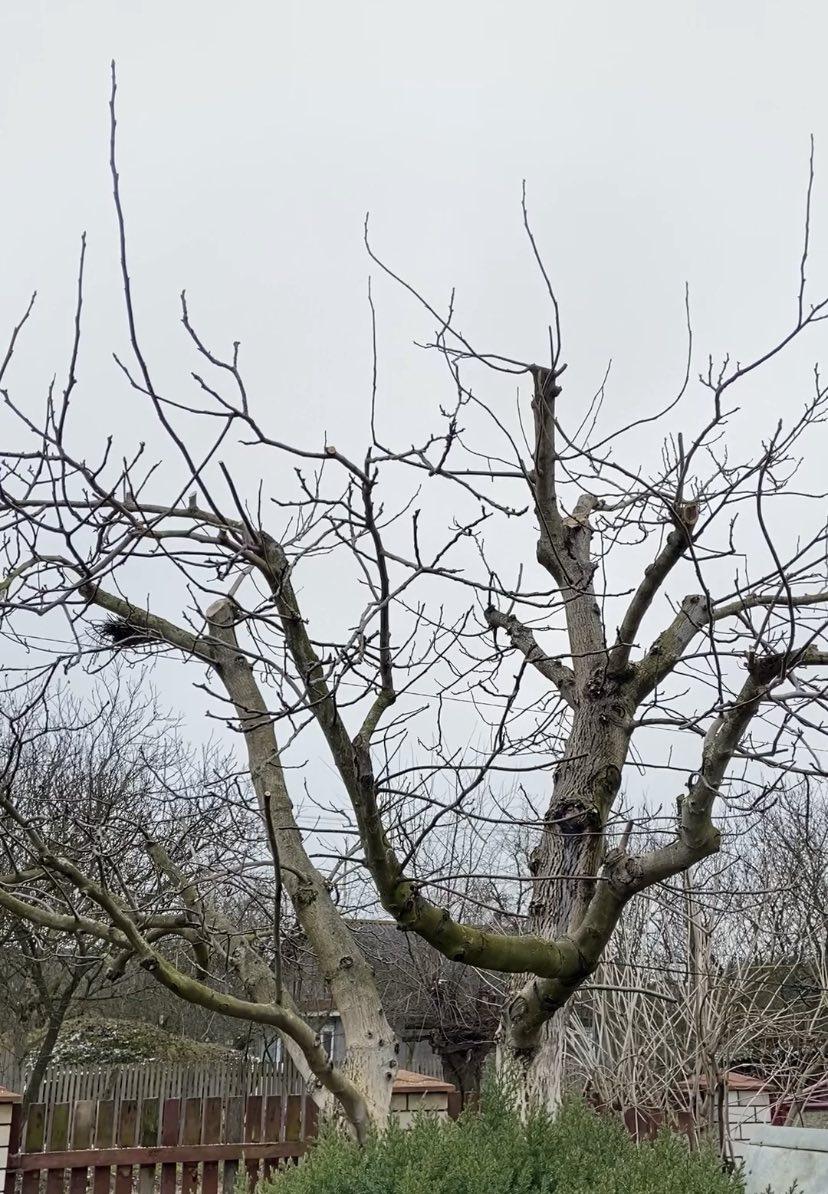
125 931
151 624
523 640
655 574
695 615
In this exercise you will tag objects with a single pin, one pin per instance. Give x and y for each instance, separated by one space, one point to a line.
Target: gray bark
371 1046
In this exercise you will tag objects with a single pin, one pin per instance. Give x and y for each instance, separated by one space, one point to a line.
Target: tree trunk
536 1080
371 1046
565 861
56 1016
368 1069
572 841
464 1067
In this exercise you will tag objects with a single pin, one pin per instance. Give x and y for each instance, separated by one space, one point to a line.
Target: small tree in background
110 785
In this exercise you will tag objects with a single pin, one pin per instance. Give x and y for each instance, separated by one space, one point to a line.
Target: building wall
416 1055
405 1107
747 1107
6 1104
775 1158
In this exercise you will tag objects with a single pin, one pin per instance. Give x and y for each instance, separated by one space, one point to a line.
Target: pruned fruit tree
595 610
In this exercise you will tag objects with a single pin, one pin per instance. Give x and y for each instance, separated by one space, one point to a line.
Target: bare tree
109 783
665 603
732 977
40 979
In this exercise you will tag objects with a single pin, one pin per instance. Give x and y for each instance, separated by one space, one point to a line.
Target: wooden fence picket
34 1141
273 1117
104 1136
191 1134
169 1136
83 1123
233 1131
293 1118
58 1143
253 1133
127 1132
310 1119
147 1138
211 1134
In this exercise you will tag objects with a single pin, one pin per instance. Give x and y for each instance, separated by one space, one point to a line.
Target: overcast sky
662 143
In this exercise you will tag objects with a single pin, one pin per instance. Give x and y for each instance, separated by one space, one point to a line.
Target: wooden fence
163 1080
156 1146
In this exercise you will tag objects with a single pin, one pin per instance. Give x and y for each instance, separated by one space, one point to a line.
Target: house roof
420 989
737 1081
9 1096
407 1082
734 1081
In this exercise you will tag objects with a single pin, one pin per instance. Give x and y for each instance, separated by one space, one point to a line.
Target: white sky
661 143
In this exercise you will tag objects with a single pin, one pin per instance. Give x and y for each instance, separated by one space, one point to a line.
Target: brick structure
418 1093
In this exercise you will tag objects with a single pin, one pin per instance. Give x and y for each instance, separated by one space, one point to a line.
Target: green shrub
492 1152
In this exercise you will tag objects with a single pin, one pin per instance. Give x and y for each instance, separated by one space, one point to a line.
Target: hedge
490 1151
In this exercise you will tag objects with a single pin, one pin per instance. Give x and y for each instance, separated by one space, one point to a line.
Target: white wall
405 1106
777 1157
5 1129
747 1107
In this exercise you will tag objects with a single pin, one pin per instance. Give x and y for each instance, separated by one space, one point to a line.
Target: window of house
327 1038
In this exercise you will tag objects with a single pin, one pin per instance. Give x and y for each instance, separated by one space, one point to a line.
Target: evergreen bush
490 1151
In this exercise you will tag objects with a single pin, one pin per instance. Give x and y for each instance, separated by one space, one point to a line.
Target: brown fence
154 1145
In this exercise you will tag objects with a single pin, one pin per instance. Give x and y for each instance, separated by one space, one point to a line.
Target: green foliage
241 1183
101 1040
491 1151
